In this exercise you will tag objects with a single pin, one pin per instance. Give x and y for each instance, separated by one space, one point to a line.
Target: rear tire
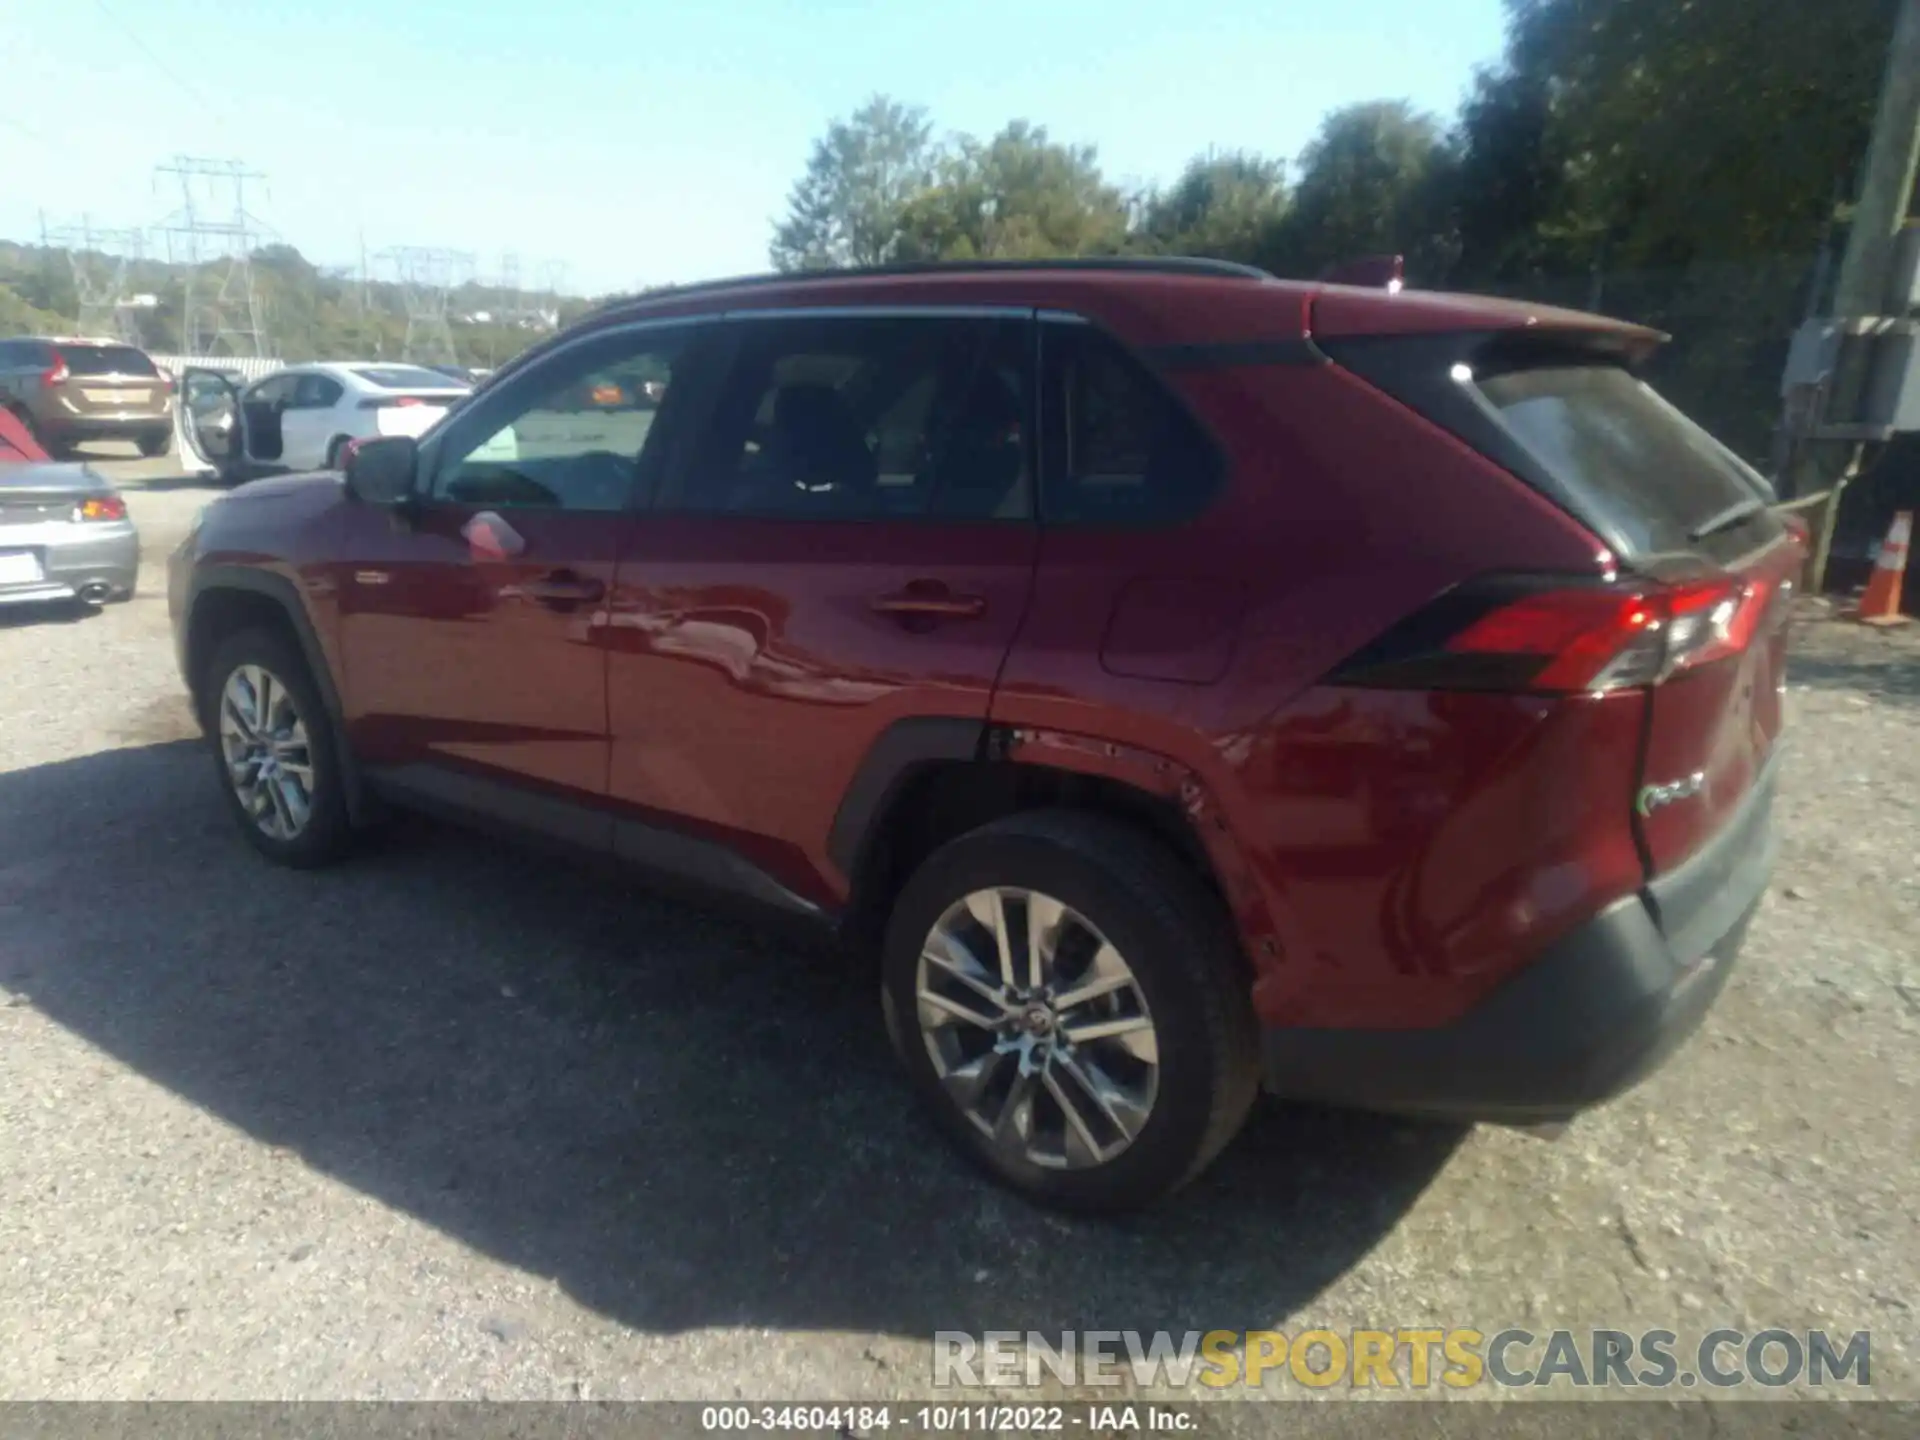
1179 1059
277 768
154 446
335 447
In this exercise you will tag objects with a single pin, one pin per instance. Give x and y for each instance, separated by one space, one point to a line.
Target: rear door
308 422
847 546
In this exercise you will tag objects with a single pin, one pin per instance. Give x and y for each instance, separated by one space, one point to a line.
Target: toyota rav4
1183 680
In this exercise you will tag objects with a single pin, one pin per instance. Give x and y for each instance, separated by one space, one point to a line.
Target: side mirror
381 471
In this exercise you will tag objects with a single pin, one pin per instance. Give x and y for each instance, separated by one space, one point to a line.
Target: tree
1715 129
1018 196
1376 179
1227 206
845 209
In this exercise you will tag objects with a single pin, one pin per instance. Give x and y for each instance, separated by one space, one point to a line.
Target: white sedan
302 417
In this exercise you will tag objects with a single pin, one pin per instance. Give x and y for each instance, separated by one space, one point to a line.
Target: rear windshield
405 377
1632 460
106 360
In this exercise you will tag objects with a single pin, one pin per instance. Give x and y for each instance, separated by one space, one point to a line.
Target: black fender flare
282 592
901 749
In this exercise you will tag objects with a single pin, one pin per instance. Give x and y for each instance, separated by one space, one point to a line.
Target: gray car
64 535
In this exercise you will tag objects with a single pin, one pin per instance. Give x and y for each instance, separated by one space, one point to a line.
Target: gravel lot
454 1122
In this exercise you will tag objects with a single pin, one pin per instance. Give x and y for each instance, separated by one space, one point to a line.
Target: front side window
573 433
1120 450
863 418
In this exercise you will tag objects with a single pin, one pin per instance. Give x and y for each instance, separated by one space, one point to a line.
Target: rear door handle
930 604
563 588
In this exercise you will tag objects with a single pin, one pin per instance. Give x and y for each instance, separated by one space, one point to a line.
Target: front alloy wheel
263 738
1037 1028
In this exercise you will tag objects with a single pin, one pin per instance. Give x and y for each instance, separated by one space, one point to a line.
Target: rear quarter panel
1344 512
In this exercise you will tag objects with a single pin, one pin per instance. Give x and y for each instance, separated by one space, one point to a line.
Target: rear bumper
106 427
1594 1015
103 563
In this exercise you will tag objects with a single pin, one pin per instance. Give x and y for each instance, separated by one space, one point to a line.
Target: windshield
1634 460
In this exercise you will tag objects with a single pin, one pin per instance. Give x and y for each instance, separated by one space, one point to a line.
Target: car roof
1175 301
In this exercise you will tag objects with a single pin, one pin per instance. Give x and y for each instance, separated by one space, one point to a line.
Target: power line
213 111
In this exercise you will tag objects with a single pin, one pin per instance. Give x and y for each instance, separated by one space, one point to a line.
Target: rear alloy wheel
274 747
1037 1028
1065 995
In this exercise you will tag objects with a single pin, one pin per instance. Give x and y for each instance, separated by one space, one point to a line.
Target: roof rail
1148 264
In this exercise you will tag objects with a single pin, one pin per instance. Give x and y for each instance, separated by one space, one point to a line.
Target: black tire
334 447
327 835
1179 944
154 446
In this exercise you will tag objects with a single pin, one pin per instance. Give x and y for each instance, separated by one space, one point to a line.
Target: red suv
1183 679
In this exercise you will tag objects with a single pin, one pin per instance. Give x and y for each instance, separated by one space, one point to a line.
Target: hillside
307 313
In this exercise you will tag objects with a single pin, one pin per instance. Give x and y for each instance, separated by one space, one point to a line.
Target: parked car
1183 679
68 391
303 417
64 531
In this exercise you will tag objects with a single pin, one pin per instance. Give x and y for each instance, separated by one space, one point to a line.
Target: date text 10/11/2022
987 1419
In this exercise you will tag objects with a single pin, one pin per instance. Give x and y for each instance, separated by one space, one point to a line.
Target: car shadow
46 612
1894 678
684 1120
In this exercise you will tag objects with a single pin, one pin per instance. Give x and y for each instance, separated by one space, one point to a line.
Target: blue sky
645 142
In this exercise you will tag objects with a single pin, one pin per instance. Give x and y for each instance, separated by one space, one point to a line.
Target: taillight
101 507
1521 635
56 373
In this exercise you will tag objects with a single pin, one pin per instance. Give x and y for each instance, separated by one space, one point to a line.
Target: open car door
213 424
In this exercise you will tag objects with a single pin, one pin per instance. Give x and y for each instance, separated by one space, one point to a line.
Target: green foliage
309 313
1228 206
1020 196
1377 179
845 209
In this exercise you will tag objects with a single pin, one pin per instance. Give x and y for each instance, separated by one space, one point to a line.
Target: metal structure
99 261
427 277
214 236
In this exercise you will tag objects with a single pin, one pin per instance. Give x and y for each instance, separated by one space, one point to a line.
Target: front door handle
930 602
563 589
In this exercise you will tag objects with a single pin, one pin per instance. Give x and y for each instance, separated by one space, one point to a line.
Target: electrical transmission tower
99 261
427 278
215 239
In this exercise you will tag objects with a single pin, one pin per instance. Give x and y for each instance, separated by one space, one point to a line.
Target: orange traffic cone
1881 604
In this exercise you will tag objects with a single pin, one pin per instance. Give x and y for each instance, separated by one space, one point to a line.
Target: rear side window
870 418
106 360
1118 448
1634 461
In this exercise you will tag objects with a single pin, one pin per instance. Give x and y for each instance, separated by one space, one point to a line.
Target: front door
850 545
211 419
470 630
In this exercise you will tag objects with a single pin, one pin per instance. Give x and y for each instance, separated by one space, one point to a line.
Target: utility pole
1824 399
1886 183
